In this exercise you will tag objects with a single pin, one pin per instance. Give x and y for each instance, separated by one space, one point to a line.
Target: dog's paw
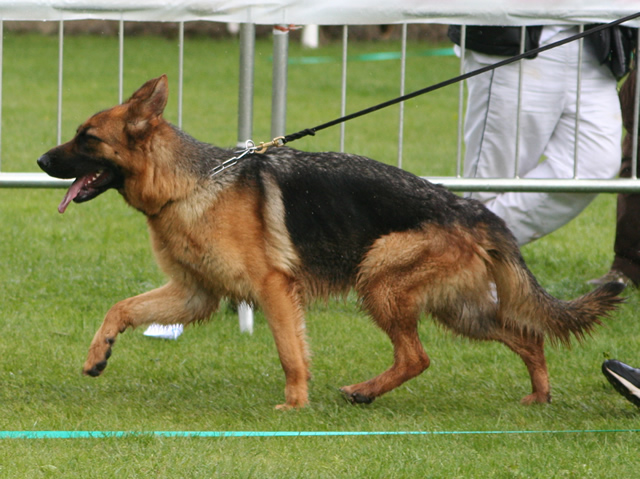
536 398
96 370
93 366
355 397
284 407
287 406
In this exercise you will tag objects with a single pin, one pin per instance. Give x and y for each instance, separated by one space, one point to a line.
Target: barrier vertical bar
245 126
578 93
120 61
60 70
1 83
636 113
403 70
463 52
516 167
245 82
180 70
343 83
279 80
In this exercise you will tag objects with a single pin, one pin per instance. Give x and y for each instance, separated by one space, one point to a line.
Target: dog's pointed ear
147 104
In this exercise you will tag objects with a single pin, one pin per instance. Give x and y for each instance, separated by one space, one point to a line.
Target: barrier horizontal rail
31 180
525 185
622 185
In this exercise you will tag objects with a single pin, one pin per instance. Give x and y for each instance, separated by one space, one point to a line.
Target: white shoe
164 331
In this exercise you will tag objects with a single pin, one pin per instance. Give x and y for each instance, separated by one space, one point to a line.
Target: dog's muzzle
44 162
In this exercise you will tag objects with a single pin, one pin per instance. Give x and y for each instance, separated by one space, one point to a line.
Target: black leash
312 131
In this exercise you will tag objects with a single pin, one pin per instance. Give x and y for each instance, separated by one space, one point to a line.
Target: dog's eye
93 138
85 136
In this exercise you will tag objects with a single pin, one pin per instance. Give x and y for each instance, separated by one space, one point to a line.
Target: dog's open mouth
88 186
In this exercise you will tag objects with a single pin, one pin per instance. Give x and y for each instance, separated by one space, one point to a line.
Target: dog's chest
218 242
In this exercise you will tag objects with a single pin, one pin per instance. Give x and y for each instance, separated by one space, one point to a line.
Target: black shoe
624 378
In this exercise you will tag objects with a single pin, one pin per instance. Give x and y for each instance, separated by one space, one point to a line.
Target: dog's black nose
44 162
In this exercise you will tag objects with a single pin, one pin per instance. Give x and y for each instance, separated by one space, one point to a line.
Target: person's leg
533 215
491 121
626 264
549 91
627 240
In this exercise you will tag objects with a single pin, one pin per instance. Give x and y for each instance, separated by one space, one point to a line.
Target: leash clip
277 141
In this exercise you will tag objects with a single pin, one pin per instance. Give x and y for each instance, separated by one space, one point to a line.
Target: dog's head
106 150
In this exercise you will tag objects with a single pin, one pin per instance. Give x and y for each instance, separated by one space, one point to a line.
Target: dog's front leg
170 304
281 305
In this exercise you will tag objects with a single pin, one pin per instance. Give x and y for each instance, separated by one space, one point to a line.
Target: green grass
61 273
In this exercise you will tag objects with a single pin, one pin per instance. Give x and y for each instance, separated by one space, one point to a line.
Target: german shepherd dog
284 227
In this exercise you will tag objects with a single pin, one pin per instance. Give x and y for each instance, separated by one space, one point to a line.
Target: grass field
61 273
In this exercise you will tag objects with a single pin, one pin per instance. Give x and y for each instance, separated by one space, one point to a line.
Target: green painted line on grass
117 434
371 57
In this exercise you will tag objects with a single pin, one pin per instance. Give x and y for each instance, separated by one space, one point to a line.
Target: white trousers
547 132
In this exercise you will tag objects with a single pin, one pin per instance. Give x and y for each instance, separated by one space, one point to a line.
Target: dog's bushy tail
527 306
580 316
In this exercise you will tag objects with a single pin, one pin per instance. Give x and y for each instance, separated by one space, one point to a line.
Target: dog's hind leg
410 360
402 275
530 348
172 303
398 317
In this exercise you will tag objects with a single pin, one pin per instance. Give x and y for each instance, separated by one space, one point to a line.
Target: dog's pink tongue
71 194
